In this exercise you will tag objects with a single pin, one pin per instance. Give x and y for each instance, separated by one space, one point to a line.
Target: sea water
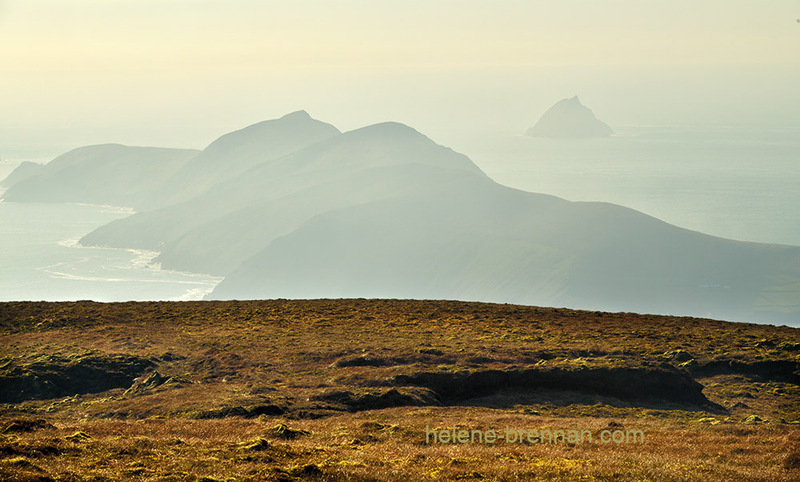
40 259
737 182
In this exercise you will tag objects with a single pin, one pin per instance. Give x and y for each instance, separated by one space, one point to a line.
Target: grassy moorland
371 390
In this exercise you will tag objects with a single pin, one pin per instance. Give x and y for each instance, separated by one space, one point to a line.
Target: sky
182 72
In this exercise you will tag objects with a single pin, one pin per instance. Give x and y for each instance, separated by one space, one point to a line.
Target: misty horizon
178 79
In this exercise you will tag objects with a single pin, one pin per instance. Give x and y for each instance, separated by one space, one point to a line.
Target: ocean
737 182
740 182
41 260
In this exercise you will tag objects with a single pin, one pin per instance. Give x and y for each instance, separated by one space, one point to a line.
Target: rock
569 119
79 437
376 399
286 433
677 355
142 384
256 445
305 471
154 380
753 419
709 420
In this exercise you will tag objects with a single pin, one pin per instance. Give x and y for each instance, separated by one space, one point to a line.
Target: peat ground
391 390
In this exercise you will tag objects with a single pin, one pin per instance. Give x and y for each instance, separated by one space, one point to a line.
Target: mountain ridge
384 211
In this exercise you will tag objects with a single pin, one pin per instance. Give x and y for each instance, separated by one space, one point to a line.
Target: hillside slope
24 171
486 242
102 174
232 221
234 153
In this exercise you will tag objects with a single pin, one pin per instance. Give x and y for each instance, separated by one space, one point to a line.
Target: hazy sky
181 72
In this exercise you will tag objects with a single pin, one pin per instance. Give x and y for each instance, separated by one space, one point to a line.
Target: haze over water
730 181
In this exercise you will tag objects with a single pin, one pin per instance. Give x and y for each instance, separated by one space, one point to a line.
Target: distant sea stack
569 119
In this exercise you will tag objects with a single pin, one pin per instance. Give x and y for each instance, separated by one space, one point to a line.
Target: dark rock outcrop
660 384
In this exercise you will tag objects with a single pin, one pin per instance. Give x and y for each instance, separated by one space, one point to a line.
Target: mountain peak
298 114
389 131
295 125
235 152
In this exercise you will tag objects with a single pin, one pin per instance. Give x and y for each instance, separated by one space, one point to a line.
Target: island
569 118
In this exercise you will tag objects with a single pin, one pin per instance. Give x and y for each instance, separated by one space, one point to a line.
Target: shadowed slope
487 242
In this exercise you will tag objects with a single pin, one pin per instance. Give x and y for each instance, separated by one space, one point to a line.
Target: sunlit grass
290 390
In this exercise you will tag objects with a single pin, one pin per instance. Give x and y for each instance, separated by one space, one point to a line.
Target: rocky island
569 118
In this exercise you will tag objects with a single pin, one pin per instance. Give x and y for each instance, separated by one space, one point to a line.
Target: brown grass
291 390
